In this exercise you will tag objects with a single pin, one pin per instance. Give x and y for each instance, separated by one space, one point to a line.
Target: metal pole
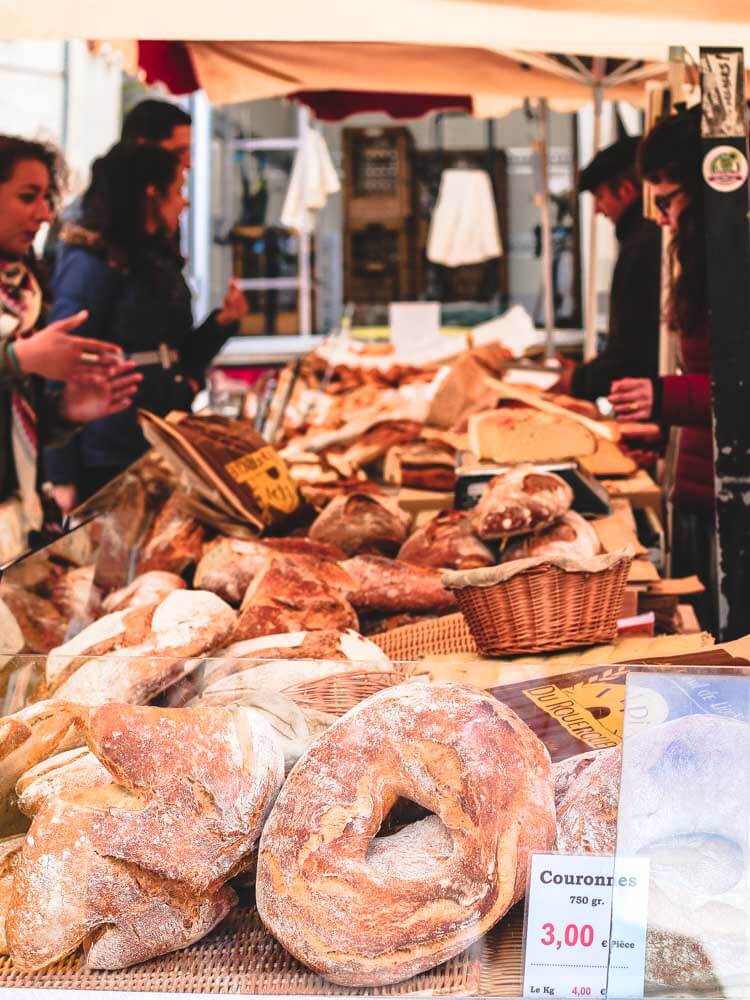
542 200
305 278
589 336
725 194
200 204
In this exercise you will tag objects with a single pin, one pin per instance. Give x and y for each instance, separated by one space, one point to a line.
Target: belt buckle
164 356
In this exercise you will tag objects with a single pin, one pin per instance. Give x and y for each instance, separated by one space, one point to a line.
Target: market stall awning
629 29
494 83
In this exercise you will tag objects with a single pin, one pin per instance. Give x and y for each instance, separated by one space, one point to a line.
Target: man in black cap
635 294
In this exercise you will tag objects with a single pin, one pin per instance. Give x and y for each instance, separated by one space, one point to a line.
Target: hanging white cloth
464 228
313 179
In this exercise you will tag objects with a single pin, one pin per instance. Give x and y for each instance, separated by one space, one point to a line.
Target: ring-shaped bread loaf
364 910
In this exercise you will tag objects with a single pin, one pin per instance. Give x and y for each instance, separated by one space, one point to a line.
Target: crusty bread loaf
41 623
175 540
391 586
512 435
368 911
571 537
64 772
132 655
229 565
427 465
10 853
446 542
31 735
289 595
148 588
76 595
376 441
138 868
362 523
520 501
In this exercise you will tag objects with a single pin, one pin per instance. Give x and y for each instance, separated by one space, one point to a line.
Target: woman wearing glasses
671 159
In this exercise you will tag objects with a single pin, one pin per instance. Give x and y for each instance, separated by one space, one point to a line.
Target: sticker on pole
570 930
725 168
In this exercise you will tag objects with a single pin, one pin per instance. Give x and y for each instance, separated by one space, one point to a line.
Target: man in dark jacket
635 295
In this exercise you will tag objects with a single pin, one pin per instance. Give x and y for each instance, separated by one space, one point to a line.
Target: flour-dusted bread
10 853
138 868
64 772
150 587
229 565
376 441
571 537
364 910
391 586
133 655
291 595
76 595
511 435
520 501
447 542
362 523
175 540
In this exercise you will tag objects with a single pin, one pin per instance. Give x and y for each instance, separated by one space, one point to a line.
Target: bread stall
292 715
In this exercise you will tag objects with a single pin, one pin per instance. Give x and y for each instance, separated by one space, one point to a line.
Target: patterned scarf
20 307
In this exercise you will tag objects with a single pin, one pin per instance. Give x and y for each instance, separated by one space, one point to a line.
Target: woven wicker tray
240 956
442 636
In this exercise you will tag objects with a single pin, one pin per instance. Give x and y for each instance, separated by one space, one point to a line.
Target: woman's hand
91 397
632 398
53 353
234 306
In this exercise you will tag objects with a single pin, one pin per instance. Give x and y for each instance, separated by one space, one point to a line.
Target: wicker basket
538 606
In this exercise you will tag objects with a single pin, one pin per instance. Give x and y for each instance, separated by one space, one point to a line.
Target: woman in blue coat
121 265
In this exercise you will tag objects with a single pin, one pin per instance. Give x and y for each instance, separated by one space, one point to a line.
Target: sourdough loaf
150 587
137 868
446 542
41 623
520 501
132 655
571 537
427 465
391 586
364 910
175 540
362 523
289 595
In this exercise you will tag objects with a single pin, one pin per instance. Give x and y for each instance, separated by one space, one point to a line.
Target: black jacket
138 309
632 349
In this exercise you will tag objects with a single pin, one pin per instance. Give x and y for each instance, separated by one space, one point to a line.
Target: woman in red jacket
671 159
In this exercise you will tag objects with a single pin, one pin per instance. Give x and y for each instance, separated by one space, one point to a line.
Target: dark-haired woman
671 159
120 265
95 380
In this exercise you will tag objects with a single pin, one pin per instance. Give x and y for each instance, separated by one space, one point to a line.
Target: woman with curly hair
95 380
671 158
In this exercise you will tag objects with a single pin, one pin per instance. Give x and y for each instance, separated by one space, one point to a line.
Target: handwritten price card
571 929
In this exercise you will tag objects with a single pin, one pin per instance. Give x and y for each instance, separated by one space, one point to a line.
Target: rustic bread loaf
147 588
520 501
76 595
290 595
368 911
446 542
511 435
10 853
41 623
376 441
64 772
571 537
133 655
391 586
175 540
427 465
229 565
134 869
362 523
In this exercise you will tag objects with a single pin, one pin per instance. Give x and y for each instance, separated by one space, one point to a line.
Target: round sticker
725 168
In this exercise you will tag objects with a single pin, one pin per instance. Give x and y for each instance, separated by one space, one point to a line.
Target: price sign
572 926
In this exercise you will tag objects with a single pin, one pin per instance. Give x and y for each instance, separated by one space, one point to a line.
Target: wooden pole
724 141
